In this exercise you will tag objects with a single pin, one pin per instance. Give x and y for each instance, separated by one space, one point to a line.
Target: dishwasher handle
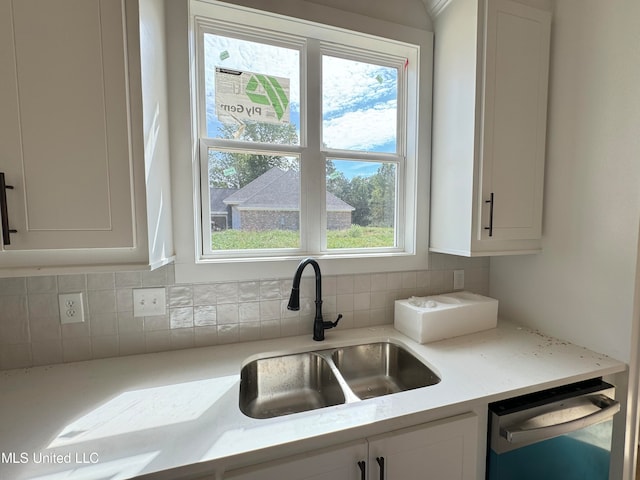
521 434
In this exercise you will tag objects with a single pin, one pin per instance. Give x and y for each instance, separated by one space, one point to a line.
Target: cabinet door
441 450
514 127
336 463
64 124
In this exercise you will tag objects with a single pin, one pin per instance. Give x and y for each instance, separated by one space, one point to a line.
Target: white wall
412 13
581 286
156 130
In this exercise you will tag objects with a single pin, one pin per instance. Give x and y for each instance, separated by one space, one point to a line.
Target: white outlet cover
148 302
71 307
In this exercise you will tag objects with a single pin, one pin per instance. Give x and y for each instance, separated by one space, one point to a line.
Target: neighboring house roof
278 189
216 199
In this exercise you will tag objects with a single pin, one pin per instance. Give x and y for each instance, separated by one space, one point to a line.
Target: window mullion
313 174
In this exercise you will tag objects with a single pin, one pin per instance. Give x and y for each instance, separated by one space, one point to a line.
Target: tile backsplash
201 314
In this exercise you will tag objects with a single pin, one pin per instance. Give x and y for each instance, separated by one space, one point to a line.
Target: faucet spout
319 325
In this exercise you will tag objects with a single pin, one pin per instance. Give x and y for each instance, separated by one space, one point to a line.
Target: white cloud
361 129
350 85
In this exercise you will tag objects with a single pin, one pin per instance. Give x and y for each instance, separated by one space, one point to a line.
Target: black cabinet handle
380 461
490 227
4 213
363 470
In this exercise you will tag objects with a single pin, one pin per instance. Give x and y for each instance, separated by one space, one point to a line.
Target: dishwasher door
558 434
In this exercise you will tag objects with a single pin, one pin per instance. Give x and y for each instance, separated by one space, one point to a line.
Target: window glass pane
359 105
254 200
252 91
361 204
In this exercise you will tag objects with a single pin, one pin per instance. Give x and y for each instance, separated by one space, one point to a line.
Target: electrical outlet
148 302
458 279
71 309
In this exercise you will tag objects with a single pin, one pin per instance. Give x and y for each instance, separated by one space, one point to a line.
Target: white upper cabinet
490 107
71 139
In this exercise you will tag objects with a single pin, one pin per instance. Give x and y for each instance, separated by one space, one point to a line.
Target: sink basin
281 385
377 369
271 387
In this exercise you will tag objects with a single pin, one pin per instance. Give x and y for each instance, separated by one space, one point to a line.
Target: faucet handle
328 325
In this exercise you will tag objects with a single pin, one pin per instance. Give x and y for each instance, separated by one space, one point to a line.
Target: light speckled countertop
176 414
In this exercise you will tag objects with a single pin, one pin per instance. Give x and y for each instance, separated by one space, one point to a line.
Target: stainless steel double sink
292 383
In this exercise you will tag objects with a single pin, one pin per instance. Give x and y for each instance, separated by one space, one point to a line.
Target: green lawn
355 237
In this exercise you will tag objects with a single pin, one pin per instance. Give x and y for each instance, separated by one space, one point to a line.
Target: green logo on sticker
275 95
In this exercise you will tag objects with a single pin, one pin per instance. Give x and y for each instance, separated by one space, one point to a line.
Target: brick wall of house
259 220
338 220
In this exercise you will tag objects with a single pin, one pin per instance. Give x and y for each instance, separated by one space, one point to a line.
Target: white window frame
412 195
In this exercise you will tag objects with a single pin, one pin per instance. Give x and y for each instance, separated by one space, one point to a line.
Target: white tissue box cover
427 319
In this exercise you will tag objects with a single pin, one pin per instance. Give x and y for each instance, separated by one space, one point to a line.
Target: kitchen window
307 139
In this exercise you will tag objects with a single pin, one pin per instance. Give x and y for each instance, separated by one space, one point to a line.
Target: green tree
337 183
355 192
373 197
383 195
228 169
359 198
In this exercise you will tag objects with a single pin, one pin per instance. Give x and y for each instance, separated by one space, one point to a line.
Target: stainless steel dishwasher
558 434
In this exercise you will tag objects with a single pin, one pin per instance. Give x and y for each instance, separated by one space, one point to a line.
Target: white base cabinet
335 463
491 65
442 450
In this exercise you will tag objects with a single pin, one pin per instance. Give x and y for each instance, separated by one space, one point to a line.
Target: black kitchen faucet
319 325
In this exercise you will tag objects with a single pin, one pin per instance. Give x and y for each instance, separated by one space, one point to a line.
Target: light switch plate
71 308
148 302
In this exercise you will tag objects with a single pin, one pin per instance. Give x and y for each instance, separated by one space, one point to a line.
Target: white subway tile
131 344
15 356
76 349
181 317
182 338
180 296
105 346
228 333
205 336
249 332
249 291
128 279
204 316
103 324
101 281
13 286
157 341
204 294
72 283
249 312
44 284
362 283
47 352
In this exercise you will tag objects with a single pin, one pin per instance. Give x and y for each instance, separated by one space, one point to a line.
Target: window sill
241 269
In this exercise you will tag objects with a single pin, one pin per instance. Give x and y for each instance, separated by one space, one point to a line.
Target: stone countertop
175 414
